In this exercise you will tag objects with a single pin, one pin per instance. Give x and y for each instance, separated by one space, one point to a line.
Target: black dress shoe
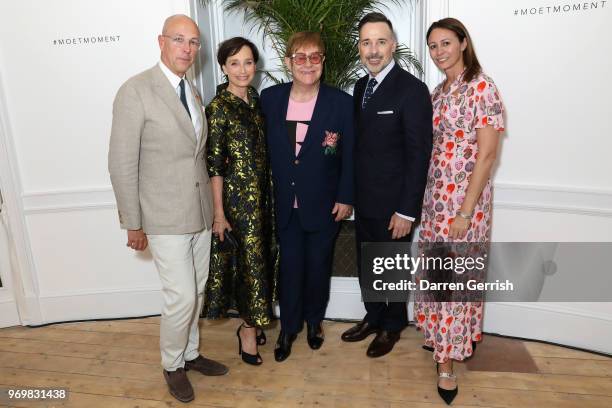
359 332
383 343
315 336
283 346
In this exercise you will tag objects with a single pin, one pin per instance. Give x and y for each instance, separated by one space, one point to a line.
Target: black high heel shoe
261 337
447 395
251 359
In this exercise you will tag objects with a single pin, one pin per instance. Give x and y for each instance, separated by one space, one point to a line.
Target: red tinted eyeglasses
314 58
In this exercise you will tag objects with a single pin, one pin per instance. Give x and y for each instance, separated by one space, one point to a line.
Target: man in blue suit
393 146
309 131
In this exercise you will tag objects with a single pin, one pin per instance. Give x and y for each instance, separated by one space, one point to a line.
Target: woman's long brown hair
472 66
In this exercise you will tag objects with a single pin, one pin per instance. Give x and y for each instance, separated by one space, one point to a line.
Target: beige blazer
156 164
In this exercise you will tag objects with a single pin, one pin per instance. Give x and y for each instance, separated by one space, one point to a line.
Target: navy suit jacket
318 180
393 146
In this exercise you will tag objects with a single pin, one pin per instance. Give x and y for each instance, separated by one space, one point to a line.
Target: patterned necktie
368 92
184 97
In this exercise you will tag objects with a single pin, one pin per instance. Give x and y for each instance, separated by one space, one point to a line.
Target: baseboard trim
543 322
556 324
559 326
345 299
87 305
9 316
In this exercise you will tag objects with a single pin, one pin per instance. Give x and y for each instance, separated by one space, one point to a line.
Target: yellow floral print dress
244 279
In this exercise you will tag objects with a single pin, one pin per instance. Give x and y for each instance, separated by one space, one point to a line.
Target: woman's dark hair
232 47
375 17
472 66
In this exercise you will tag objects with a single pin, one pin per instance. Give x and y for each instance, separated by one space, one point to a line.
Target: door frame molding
22 281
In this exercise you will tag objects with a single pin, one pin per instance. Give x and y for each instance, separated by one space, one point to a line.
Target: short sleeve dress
451 327
243 280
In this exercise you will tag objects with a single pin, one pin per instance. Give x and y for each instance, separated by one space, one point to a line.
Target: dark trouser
391 316
305 273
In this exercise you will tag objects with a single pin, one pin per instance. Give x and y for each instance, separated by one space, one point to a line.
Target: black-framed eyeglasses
315 58
179 41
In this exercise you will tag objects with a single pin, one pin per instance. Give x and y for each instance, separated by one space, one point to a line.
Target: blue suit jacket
317 179
393 146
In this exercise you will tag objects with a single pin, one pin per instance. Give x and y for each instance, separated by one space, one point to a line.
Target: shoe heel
239 340
261 338
252 359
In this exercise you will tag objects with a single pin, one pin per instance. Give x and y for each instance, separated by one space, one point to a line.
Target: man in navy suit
393 146
309 130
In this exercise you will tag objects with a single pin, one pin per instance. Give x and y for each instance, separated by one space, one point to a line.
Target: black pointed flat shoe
447 395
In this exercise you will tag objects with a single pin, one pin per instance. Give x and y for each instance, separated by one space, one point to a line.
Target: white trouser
182 262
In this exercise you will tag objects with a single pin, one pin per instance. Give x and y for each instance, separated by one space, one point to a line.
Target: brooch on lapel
331 142
196 95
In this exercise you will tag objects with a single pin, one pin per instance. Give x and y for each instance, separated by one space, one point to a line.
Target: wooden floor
116 364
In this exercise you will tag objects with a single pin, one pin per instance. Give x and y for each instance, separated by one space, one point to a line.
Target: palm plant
337 21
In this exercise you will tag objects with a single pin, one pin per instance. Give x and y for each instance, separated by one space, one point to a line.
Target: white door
9 315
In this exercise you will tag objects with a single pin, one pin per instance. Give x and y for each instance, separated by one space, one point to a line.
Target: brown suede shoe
206 366
383 343
359 332
179 385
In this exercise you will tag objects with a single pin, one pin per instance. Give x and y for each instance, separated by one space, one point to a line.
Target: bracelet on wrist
465 216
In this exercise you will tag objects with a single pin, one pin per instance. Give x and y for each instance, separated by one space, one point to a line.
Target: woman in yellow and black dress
242 277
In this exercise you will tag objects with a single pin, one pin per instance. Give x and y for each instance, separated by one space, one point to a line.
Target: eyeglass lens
300 58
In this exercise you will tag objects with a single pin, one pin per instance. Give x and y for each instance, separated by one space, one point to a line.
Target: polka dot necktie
368 92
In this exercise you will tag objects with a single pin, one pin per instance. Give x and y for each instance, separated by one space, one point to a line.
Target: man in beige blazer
158 171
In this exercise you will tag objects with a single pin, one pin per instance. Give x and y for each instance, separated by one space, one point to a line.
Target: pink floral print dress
451 327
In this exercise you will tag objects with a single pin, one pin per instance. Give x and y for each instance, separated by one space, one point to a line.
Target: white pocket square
385 112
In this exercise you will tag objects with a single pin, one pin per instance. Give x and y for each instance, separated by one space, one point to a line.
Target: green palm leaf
337 21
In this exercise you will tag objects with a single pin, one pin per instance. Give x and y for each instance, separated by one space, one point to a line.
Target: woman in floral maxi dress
467 120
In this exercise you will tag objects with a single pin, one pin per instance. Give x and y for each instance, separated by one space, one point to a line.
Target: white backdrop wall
552 74
552 182
62 63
